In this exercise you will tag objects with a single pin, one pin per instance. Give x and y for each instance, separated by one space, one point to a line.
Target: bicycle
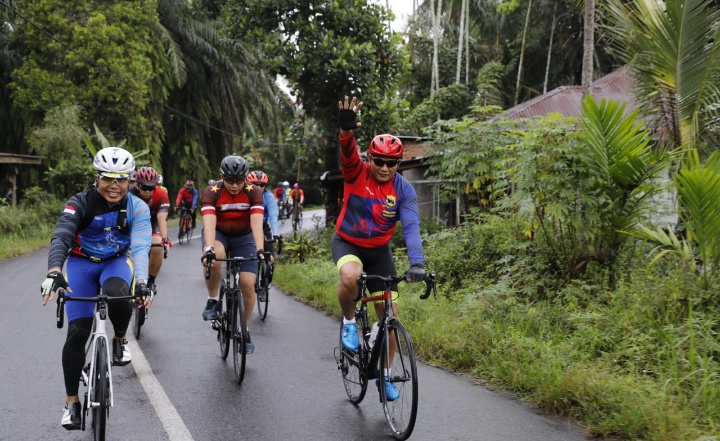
231 323
140 313
297 218
96 375
262 285
185 222
358 367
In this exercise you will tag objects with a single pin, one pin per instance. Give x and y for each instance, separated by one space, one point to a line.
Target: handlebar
62 298
208 264
429 280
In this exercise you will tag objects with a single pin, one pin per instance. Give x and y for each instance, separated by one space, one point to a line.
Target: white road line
169 417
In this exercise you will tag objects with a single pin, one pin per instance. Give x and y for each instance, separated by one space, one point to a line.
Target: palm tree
673 48
588 46
219 96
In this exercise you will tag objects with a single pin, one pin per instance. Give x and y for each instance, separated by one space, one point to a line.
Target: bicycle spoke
401 412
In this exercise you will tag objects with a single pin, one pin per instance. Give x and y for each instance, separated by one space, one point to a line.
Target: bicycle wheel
223 326
400 413
263 292
300 219
139 316
181 227
101 394
239 336
352 366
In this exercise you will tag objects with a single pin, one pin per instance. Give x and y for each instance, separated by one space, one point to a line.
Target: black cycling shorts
375 261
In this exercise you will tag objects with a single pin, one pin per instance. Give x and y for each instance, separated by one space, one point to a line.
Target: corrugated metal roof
565 100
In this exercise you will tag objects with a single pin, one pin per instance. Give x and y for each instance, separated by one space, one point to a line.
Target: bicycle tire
262 291
182 227
100 390
239 336
353 370
139 316
401 413
223 335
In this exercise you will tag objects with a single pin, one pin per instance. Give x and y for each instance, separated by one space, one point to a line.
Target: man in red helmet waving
375 199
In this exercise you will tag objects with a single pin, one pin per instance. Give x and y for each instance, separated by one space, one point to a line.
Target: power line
122 81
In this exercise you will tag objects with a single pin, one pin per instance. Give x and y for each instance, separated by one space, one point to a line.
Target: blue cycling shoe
391 391
350 337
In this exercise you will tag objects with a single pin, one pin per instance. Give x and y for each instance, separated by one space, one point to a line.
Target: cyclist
160 184
187 197
271 226
279 193
297 195
104 235
211 182
376 198
286 205
232 213
133 181
159 203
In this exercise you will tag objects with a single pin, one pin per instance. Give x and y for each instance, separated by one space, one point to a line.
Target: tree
588 46
673 49
99 58
326 50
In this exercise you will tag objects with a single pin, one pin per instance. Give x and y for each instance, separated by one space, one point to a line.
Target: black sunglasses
146 187
389 162
231 181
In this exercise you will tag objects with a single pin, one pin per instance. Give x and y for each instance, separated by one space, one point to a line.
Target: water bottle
373 334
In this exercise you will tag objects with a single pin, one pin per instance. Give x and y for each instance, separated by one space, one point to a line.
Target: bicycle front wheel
352 365
223 325
263 292
101 393
401 409
139 316
239 336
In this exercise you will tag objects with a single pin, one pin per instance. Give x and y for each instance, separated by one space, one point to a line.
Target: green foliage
60 140
302 247
489 84
449 102
326 50
102 64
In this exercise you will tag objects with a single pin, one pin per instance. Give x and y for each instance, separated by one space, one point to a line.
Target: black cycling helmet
234 167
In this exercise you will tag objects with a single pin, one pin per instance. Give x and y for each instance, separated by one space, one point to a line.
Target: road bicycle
186 231
97 374
140 312
372 359
297 218
262 285
231 324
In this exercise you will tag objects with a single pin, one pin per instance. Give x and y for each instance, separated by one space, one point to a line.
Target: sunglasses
231 181
261 185
146 187
382 162
108 180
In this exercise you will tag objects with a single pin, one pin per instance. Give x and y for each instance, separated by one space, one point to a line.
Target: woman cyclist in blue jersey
104 235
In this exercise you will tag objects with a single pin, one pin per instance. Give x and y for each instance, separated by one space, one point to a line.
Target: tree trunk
522 53
549 56
467 44
588 49
461 35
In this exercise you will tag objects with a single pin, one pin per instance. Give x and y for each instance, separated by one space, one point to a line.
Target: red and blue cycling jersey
371 210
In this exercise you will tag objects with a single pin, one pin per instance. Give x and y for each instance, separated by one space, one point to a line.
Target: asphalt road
179 388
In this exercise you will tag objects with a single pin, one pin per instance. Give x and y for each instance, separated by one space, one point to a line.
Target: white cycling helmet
160 180
114 162
286 184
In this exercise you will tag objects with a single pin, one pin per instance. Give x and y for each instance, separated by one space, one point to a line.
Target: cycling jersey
159 202
187 198
270 216
371 210
297 193
232 212
279 194
91 228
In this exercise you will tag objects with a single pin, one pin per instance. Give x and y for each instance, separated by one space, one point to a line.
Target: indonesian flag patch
69 209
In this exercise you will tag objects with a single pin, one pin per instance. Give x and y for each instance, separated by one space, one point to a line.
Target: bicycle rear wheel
223 325
400 413
101 393
239 336
263 292
352 365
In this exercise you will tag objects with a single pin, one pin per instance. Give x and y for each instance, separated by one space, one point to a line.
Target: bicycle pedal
215 325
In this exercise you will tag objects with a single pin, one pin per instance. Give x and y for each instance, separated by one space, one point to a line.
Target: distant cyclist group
113 237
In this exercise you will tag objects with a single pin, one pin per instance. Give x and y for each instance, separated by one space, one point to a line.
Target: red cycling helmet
257 177
386 145
189 184
147 176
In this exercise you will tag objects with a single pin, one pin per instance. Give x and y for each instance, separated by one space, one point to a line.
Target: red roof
565 100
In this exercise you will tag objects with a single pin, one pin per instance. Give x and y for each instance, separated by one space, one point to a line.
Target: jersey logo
249 187
214 188
390 201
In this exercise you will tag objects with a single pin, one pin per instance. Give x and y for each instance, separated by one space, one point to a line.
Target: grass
579 364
